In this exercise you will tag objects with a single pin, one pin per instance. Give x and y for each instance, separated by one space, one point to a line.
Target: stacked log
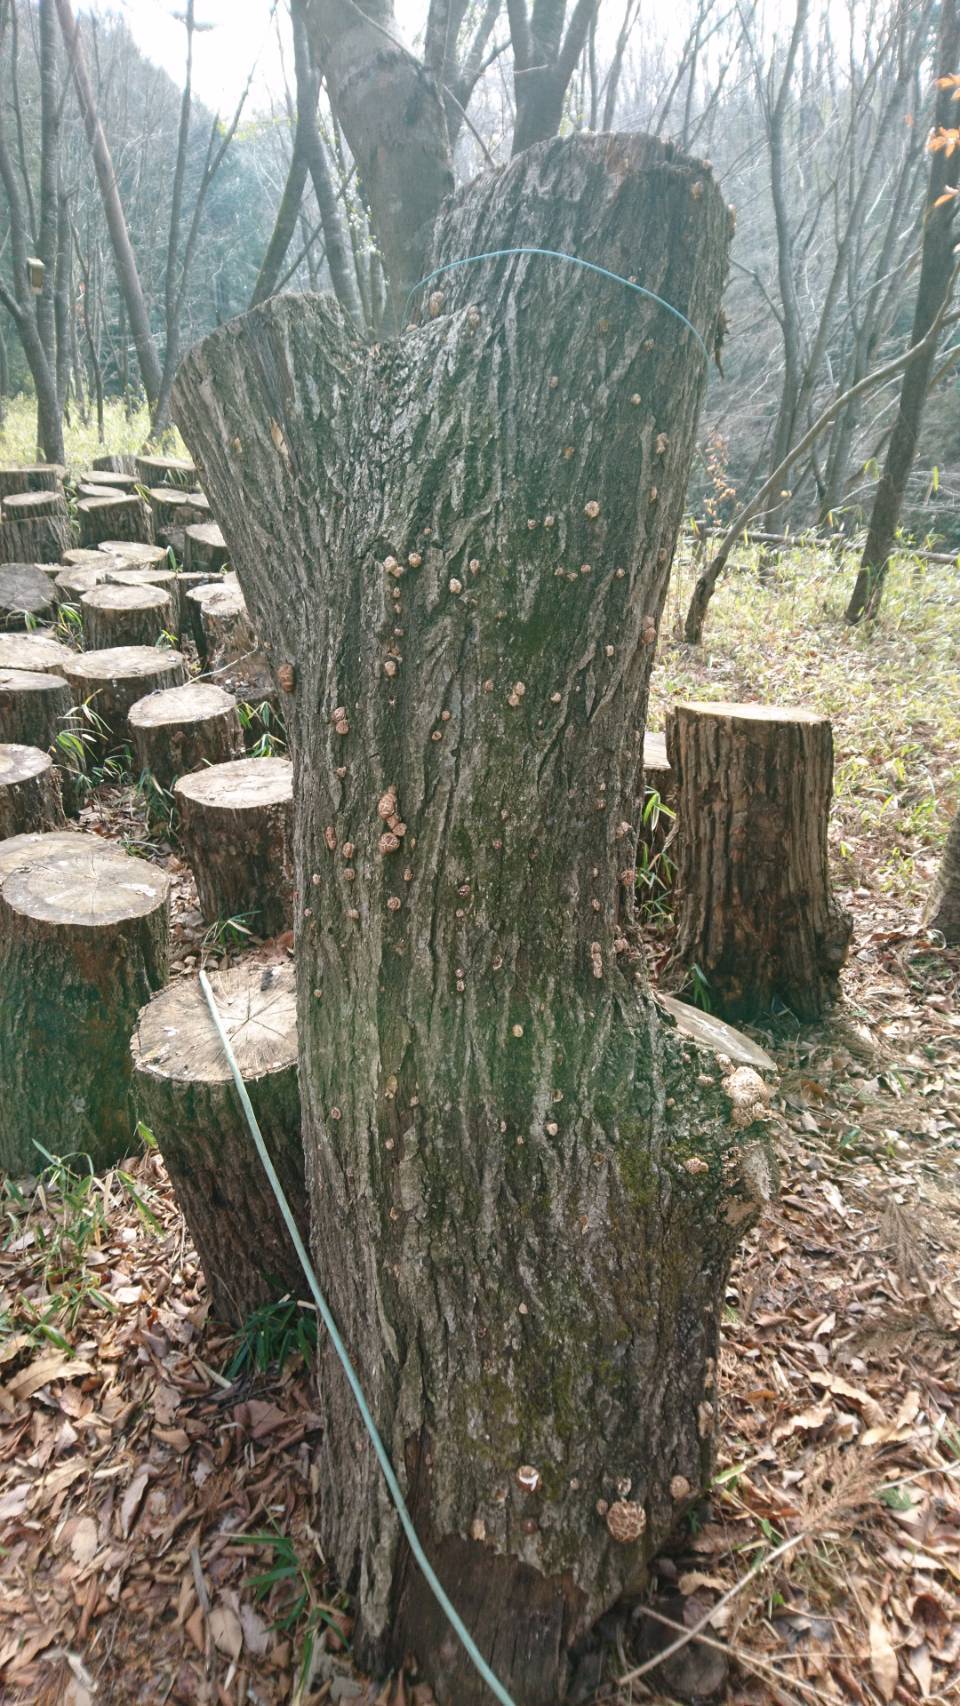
125 615
30 799
34 528
115 678
124 519
236 831
188 1100
26 592
183 729
83 945
32 707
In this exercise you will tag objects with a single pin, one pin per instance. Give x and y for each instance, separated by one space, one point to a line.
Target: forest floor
158 1499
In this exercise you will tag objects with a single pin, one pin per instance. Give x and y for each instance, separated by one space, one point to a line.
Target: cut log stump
118 676
82 557
236 833
163 577
83 945
125 518
755 910
34 528
230 645
34 651
188 1099
126 463
204 548
33 849
166 471
135 553
30 798
72 583
111 479
36 477
185 728
88 489
125 615
33 706
26 592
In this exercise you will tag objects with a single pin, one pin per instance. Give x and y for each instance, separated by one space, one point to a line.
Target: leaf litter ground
158 1499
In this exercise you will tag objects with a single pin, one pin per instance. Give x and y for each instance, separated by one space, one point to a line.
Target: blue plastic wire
449 1610
558 255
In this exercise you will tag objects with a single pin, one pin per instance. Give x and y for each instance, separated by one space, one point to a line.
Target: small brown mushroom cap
626 1521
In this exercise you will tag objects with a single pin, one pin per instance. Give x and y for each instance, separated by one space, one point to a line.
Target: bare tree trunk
339 261
284 226
945 910
457 546
936 278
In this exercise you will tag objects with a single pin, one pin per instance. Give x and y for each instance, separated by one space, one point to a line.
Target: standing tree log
455 546
162 579
755 909
34 651
237 834
115 678
34 528
204 548
183 729
30 799
117 519
125 615
33 707
83 945
25 591
35 477
188 1100
944 912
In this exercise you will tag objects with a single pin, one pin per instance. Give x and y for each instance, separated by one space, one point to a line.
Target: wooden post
236 831
34 528
754 904
185 728
125 615
125 518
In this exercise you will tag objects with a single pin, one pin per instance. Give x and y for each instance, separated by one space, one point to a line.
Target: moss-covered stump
26 594
188 1099
35 652
30 799
34 477
117 519
755 910
166 471
83 945
125 615
116 677
33 706
34 528
204 547
236 831
184 729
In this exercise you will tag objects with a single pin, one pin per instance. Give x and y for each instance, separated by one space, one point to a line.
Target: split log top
25 590
34 652
125 615
236 832
32 706
185 728
188 1100
29 791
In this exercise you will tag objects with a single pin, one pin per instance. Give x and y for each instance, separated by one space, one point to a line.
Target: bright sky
223 57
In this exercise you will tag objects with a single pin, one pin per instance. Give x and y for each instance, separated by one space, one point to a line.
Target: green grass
891 689
123 435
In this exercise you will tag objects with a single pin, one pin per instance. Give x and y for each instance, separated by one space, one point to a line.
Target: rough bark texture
29 791
32 707
25 590
34 651
204 548
945 910
188 1100
456 548
34 528
116 519
38 477
115 678
83 944
184 729
236 828
125 616
754 903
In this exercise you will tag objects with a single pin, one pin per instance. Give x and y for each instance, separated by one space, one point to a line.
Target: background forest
816 119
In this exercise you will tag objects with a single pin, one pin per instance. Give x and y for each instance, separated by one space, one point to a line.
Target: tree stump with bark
166 471
755 909
34 528
88 490
115 519
25 591
34 652
236 830
204 547
134 554
125 615
30 800
230 646
116 677
455 546
72 583
188 1099
162 579
32 849
32 707
944 913
83 945
112 480
183 729
36 477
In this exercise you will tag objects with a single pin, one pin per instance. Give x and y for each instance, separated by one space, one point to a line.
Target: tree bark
756 914
945 909
126 519
235 823
29 791
936 275
183 729
468 533
32 707
83 944
188 1100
